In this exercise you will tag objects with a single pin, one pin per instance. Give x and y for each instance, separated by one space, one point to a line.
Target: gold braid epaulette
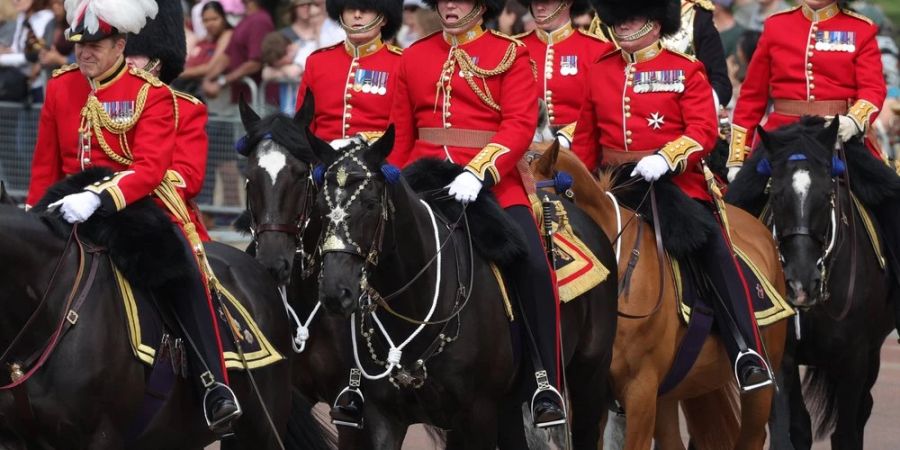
470 70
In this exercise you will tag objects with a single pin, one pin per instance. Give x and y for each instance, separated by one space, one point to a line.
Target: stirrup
752 354
352 388
210 387
543 385
344 423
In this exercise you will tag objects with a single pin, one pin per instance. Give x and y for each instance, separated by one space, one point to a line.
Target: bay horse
458 369
649 330
834 275
91 387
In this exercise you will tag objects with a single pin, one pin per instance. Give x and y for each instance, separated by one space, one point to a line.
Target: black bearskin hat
579 7
163 39
391 9
666 12
492 8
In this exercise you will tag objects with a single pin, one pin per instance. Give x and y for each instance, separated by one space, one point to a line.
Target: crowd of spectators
268 42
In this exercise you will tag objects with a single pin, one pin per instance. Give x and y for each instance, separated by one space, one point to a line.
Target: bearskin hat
94 20
492 8
666 12
579 7
391 9
163 39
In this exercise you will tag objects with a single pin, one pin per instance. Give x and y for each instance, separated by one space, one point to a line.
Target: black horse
459 372
280 196
834 277
91 387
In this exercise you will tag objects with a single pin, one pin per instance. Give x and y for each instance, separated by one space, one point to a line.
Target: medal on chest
568 65
659 81
371 82
836 41
119 111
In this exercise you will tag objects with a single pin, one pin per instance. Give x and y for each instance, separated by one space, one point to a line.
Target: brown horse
647 338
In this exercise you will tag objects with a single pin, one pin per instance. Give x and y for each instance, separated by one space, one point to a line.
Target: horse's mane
285 132
141 240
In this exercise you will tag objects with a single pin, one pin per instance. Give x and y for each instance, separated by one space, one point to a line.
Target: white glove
465 187
651 167
563 141
847 129
732 173
77 207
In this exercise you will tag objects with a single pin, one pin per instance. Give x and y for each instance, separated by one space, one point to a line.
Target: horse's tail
307 430
820 393
713 419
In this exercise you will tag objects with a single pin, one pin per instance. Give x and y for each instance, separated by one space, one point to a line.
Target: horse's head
800 161
354 206
280 190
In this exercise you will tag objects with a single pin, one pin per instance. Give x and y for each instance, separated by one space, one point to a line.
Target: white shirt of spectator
16 58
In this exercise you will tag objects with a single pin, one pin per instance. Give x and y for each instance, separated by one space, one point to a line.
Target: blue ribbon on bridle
241 145
391 174
838 167
561 182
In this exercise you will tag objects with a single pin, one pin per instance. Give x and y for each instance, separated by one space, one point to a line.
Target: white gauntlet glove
77 207
848 128
465 187
732 173
651 167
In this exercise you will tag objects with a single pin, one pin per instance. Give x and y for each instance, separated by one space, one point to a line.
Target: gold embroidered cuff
176 179
369 137
110 186
677 152
568 131
485 161
737 148
861 112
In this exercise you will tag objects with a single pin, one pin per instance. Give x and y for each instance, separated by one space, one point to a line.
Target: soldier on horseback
817 59
103 112
467 95
562 55
361 105
654 107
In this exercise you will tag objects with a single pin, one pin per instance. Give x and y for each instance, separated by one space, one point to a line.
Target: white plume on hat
127 16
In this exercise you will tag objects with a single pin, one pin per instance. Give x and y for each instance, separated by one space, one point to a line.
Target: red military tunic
654 101
563 58
809 56
469 98
127 99
351 87
189 161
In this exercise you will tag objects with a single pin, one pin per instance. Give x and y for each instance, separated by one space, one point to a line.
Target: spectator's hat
391 12
666 12
492 8
162 39
579 7
94 20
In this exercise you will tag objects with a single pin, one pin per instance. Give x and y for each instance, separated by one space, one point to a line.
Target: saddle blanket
146 330
769 305
577 268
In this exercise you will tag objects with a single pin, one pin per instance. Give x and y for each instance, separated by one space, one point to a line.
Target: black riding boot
347 410
534 287
888 216
734 313
188 299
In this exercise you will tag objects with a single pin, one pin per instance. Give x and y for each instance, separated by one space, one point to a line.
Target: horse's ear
547 161
828 136
383 146
248 115
5 199
323 151
304 115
